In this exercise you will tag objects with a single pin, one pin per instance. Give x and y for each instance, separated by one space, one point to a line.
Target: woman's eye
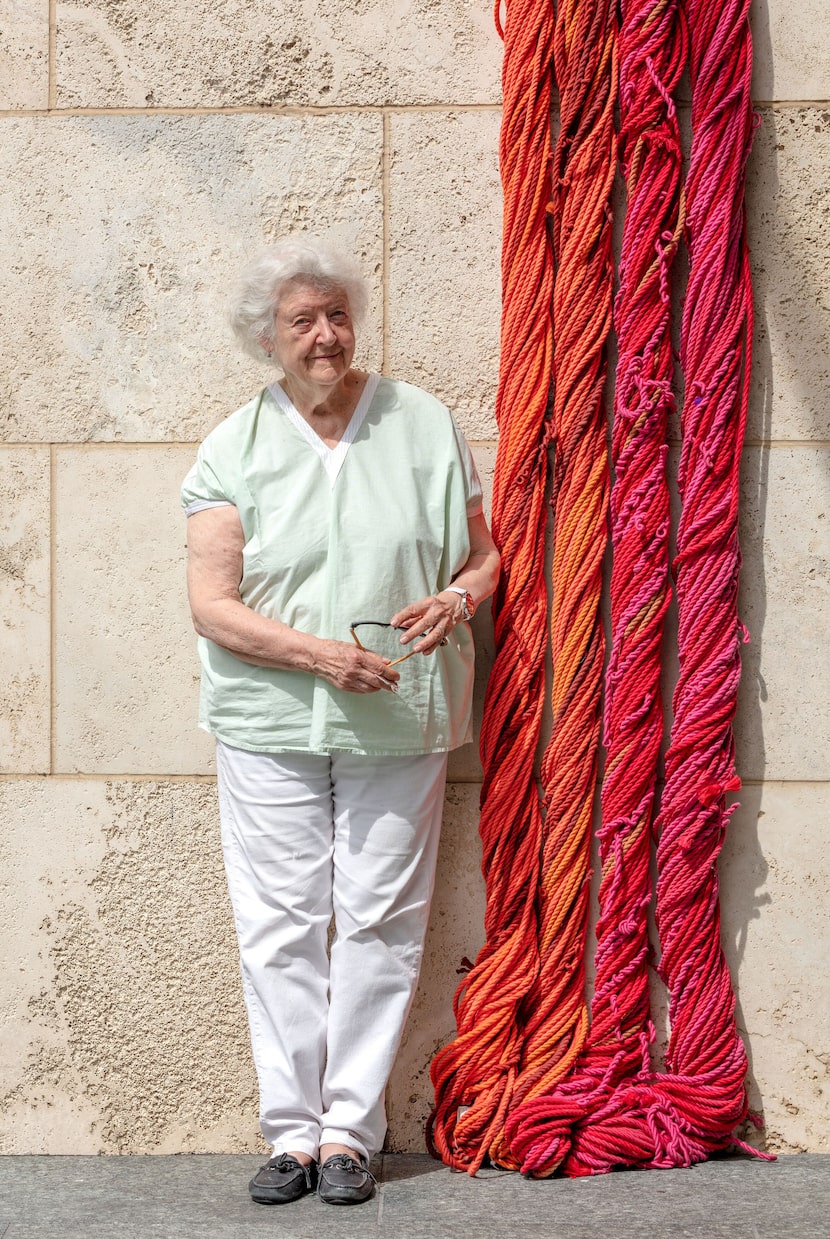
338 316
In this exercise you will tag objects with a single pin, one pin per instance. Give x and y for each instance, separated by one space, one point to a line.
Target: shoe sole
276 1200
345 1200
273 1196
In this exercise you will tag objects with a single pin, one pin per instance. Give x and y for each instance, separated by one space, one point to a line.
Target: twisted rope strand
700 770
477 1070
554 1011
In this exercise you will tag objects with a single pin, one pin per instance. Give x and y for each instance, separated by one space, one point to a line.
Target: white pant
305 836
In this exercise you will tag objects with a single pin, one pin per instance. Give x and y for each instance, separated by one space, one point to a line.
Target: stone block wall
146 151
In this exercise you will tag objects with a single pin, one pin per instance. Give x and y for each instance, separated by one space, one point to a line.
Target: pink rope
700 770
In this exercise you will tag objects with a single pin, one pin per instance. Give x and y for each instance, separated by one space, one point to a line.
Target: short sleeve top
332 536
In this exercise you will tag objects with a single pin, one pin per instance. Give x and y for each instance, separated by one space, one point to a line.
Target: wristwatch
468 606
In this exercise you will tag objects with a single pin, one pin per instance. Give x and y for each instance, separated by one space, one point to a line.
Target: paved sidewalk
188 1196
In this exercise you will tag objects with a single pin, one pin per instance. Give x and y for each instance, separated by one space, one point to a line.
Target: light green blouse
332 537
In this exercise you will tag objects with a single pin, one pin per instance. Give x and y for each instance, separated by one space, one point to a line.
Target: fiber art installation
532 1081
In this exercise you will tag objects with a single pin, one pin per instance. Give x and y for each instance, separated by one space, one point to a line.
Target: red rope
477 1069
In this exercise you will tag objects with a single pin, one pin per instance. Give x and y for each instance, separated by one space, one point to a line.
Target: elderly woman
337 550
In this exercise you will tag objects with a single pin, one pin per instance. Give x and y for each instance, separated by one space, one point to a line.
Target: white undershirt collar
332 457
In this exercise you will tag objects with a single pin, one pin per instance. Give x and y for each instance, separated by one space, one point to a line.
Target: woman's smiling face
313 333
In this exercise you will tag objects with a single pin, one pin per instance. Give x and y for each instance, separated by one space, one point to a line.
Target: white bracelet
468 606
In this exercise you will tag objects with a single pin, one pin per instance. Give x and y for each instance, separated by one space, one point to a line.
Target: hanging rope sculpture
526 1083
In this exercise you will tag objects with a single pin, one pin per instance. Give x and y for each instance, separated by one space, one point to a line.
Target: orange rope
555 1013
473 1076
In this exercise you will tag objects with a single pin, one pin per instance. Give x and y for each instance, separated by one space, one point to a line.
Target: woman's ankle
331 1150
305 1159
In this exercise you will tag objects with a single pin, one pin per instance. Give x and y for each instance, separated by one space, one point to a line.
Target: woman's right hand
354 670
216 542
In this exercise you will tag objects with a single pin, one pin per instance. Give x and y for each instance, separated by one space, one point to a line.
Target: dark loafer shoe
282 1180
343 1181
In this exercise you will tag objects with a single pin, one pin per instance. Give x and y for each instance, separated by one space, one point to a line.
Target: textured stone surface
311 53
418 1198
122 1027
783 720
776 930
456 932
789 216
24 54
122 234
121 980
444 283
791 50
120 265
126 664
24 609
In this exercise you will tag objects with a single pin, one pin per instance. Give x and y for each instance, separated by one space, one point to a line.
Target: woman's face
313 333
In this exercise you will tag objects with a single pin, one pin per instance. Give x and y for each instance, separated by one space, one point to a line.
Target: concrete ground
206 1196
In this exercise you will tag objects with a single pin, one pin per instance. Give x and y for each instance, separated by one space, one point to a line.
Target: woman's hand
215 544
432 619
354 670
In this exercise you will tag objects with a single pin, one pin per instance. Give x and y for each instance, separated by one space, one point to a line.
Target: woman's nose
325 331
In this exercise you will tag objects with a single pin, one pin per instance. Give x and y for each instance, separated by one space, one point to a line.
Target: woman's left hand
432 619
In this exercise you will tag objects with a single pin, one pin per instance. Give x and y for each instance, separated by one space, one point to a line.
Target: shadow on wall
743 868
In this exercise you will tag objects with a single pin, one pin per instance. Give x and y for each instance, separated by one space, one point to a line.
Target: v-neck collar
332 457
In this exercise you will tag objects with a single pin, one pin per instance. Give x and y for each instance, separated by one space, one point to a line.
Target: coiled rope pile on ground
525 1082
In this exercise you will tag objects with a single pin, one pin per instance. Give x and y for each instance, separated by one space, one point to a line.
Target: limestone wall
145 150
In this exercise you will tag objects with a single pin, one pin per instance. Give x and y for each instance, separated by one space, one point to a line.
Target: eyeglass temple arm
357 642
356 638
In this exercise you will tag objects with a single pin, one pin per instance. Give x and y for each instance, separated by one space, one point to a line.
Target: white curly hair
260 285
